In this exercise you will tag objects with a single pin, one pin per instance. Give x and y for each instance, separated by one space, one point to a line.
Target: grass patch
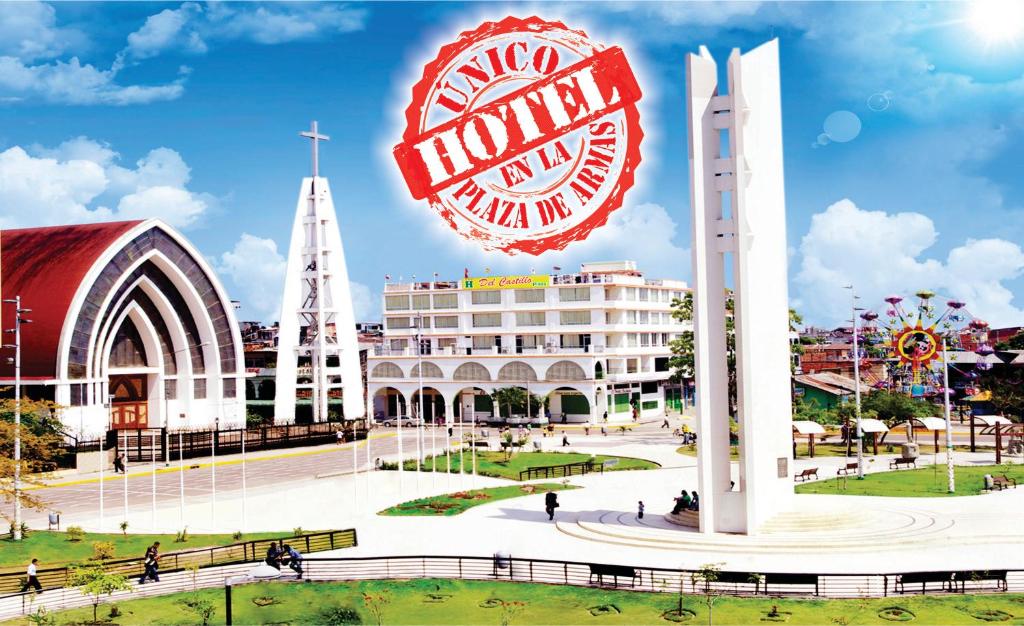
52 548
926 482
830 449
542 604
455 503
494 464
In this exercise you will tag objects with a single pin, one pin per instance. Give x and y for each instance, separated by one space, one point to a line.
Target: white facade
738 205
581 339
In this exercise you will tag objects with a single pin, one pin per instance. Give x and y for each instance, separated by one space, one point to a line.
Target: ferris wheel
913 332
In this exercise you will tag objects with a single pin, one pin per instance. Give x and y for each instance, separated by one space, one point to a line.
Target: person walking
294 559
564 417
604 431
273 556
32 580
640 510
151 563
565 439
665 423
119 463
550 504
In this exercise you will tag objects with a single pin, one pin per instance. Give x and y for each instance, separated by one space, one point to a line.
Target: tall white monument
317 338
739 217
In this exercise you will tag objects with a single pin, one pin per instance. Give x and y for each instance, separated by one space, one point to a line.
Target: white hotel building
591 342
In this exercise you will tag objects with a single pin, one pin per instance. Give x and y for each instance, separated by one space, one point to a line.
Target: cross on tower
316 137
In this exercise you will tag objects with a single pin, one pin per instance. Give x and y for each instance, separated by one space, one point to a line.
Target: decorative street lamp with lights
16 331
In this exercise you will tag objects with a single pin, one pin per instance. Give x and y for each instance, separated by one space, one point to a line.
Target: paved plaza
316 489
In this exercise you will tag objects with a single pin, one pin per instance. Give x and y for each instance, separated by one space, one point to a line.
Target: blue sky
190 112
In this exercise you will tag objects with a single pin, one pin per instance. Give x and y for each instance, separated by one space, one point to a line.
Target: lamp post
949 427
16 331
856 384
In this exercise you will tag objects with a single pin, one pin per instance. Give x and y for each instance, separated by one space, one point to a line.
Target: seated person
695 502
682 503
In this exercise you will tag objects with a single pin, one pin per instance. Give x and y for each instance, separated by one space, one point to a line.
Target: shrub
75 533
182 536
297 531
202 608
237 535
102 550
124 527
338 615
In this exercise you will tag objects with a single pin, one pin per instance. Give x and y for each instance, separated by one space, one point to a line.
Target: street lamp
18 321
262 571
856 384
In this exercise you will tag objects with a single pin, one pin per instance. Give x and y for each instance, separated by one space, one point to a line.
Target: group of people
686 502
687 435
285 554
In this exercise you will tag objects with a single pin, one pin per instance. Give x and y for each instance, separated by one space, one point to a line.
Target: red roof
45 266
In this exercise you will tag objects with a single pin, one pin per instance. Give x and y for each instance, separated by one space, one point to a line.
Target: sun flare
997 21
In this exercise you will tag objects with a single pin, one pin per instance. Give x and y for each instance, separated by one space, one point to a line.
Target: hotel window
631 340
170 390
645 340
569 318
529 295
487 297
199 389
531 341
630 293
418 320
530 318
446 301
446 321
421 302
445 342
631 317
571 341
664 338
398 322
399 344
229 387
77 394
484 320
574 294
644 317
666 296
677 294
643 294
396 303
486 341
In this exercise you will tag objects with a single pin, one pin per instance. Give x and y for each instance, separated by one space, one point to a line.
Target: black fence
555 471
246 551
162 444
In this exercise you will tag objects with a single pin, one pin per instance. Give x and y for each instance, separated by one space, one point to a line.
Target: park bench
615 571
961 578
845 470
479 443
896 463
1003 482
791 579
923 578
806 475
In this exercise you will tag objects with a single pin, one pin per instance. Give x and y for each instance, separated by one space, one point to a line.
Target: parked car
390 421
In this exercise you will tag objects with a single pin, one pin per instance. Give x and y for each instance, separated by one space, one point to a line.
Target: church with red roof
130 327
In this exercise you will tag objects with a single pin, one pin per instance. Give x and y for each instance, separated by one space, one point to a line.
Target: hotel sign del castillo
506 282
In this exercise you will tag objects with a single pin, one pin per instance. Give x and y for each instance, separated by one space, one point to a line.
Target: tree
708 574
513 400
377 603
1006 384
95 582
682 360
41 435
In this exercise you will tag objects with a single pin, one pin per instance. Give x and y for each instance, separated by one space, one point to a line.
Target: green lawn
53 548
494 463
455 503
831 449
928 482
459 602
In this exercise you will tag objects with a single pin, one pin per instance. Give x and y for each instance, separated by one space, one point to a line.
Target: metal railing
575 573
556 471
246 551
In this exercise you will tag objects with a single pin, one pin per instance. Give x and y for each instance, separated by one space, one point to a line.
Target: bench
791 579
845 471
806 475
615 571
896 463
913 578
962 577
1003 482
479 443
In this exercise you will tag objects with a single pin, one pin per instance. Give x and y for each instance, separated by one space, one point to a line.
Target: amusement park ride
913 338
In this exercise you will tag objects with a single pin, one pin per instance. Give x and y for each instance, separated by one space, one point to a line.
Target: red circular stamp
523 134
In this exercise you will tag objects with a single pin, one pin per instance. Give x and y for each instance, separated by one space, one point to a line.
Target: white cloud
257 270
881 253
72 82
66 184
28 30
192 27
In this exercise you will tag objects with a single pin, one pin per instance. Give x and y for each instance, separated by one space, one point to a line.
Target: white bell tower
317 338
